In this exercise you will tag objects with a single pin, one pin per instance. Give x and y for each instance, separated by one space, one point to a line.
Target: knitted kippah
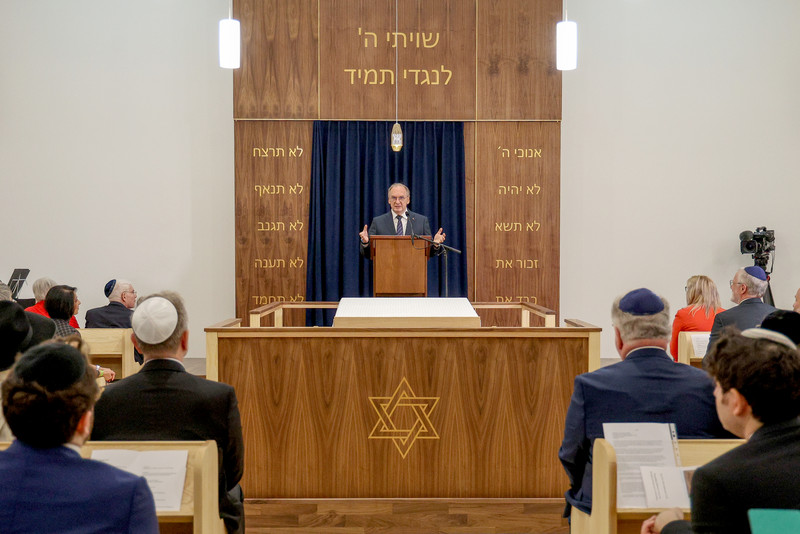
756 272
109 287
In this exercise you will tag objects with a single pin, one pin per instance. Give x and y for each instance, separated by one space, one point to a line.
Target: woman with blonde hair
703 302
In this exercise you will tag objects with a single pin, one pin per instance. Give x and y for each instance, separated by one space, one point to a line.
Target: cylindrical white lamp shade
229 44
566 45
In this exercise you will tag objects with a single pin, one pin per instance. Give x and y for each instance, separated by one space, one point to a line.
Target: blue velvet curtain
352 167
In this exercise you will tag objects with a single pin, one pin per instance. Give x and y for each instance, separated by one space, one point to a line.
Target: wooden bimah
399 266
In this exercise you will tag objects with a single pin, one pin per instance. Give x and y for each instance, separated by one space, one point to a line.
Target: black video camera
759 243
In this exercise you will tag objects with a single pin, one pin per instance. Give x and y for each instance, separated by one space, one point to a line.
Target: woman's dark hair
60 302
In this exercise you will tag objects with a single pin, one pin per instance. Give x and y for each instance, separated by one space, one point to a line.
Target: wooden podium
399 268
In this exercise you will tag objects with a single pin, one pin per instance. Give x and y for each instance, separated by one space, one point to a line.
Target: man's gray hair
754 286
398 184
5 292
41 287
171 344
632 327
120 287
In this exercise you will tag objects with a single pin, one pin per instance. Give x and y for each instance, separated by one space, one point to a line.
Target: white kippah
154 320
771 335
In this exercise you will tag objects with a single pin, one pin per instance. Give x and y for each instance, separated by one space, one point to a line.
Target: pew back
686 352
112 348
606 518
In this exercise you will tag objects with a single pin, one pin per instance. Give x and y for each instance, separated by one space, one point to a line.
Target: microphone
411 222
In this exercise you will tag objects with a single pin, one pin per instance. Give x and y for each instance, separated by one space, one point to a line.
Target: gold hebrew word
269 299
517 189
517 227
262 190
276 152
265 263
521 152
426 39
404 409
421 76
279 226
519 299
519 264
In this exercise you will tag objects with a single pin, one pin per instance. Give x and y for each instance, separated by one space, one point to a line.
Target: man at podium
400 221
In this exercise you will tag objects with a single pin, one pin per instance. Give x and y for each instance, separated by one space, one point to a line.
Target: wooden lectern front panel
399 267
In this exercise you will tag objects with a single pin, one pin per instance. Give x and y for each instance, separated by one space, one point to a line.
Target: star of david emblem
404 418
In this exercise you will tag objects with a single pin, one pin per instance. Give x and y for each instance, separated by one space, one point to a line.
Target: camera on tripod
759 243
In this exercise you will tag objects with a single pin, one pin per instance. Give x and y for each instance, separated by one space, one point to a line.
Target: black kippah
56 366
109 287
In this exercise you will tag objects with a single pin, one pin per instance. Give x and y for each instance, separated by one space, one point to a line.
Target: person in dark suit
164 402
757 376
117 314
47 486
747 288
646 386
399 221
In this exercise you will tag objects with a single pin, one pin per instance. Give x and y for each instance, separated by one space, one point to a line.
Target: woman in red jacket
703 302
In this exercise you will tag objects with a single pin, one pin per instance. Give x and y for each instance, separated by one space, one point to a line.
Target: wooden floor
405 516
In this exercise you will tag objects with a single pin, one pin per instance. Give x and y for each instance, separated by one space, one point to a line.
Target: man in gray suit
399 221
747 288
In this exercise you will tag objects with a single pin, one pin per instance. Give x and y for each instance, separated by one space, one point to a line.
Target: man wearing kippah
164 402
117 314
747 287
47 487
757 378
647 386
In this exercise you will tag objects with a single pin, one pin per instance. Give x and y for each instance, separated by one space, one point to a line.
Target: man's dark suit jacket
748 314
386 224
648 386
761 473
164 402
115 315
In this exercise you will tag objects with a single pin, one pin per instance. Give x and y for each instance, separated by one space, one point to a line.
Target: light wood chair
686 349
112 348
606 518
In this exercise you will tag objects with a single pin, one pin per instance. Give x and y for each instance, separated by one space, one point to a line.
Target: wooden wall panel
436 59
517 76
470 130
518 192
273 169
278 76
307 415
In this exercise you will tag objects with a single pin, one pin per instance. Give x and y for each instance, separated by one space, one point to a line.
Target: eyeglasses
733 282
133 292
395 199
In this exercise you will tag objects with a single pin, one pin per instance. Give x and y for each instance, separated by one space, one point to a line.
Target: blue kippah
641 301
109 287
756 272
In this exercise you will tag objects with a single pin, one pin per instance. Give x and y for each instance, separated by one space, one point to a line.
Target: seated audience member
747 287
47 400
646 386
40 289
18 331
164 402
703 302
5 292
757 375
62 303
117 314
784 322
796 305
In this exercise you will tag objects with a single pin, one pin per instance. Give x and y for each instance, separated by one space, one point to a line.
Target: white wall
116 148
680 130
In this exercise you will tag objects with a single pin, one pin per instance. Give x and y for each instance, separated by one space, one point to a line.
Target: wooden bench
606 518
199 513
686 350
112 348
